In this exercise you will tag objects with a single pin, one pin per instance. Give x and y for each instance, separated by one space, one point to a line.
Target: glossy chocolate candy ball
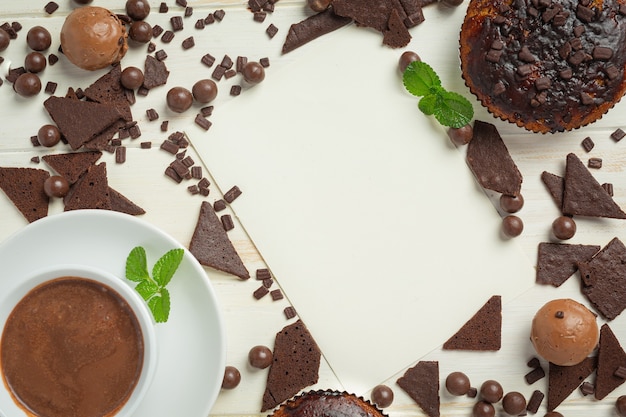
483 409
38 38
318 5
35 62
132 78
511 203
491 391
137 9
232 377
461 135
620 405
179 99
382 396
56 186
27 85
48 135
204 91
5 40
512 226
260 357
140 31
514 403
253 72
406 58
564 227
457 383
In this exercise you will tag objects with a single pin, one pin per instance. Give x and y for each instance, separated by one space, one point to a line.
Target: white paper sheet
369 219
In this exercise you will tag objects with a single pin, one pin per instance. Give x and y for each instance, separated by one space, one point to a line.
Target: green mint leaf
136 265
147 289
453 110
428 104
420 79
164 269
160 306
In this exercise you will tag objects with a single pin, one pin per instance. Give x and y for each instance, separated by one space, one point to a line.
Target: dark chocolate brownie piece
563 380
91 191
121 203
24 186
556 262
611 357
555 186
421 383
71 165
312 28
483 331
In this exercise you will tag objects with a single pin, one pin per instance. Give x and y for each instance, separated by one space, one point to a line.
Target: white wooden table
171 207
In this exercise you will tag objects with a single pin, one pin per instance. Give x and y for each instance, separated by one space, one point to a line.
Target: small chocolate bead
491 391
514 403
483 409
620 405
27 85
35 62
451 3
137 9
204 91
5 39
382 396
564 227
83 1
179 99
511 203
457 383
232 377
461 135
555 414
48 135
132 78
253 72
140 31
318 5
38 38
512 226
260 357
56 186
406 58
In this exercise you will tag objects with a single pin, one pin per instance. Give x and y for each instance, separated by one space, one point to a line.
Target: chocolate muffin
544 65
327 403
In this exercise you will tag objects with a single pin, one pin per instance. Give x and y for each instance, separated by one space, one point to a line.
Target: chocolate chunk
276 295
602 53
525 55
289 312
235 90
51 7
608 187
120 154
595 163
177 23
295 366
535 375
155 73
563 380
232 194
556 262
421 383
227 222
212 247
152 114
611 357
219 205
51 87
260 292
490 161
534 402
208 60
189 43
586 388
203 122
618 135
91 191
587 144
24 187
219 15
263 274
271 30
481 332
160 55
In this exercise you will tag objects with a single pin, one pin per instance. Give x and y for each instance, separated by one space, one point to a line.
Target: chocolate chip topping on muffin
546 66
327 403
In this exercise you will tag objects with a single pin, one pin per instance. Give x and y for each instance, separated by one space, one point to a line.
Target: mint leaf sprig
152 288
449 108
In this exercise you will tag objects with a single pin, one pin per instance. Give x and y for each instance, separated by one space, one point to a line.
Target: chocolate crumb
289 312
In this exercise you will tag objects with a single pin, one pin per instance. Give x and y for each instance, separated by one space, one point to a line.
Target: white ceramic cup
8 301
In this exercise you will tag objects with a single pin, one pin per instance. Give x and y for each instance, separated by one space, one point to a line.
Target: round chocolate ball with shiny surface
514 403
452 3
27 85
179 99
35 62
5 40
620 405
83 1
260 357
511 203
56 186
512 226
204 91
137 9
232 377
140 31
553 414
564 227
38 38
406 58
382 396
131 78
461 135
48 135
318 5
457 383
491 391
483 409
253 72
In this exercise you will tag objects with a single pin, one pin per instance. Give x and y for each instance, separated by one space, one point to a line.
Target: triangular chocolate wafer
421 382
295 365
611 357
108 88
584 196
211 245
80 121
563 380
396 35
370 13
483 331
24 186
490 161
155 73
71 165
555 186
312 28
121 203
91 191
556 262
604 279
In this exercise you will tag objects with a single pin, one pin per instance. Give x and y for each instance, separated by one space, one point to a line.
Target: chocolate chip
199 24
209 19
208 60
188 11
587 144
177 23
602 53
618 135
595 163
585 13
203 122
167 37
535 401
535 375
271 30
219 14
51 7
525 55
543 83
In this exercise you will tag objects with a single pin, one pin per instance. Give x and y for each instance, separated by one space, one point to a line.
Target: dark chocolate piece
72 165
535 401
482 332
121 203
611 357
232 194
312 28
155 73
91 191
587 144
563 380
289 312
24 187
421 383
535 375
556 262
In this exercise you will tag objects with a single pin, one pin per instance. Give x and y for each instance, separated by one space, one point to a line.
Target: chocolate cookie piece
24 186
71 165
421 383
91 191
604 279
481 332
312 28
545 66
556 262
583 195
295 365
490 161
563 380
155 73
211 245
121 203
396 35
555 185
611 357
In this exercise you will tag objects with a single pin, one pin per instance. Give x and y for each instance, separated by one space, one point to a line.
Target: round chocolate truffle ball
260 357
48 135
131 78
35 62
564 332
83 1
457 383
204 91
511 203
514 403
137 9
38 38
382 396
406 58
512 226
318 5
553 414
620 405
56 186
564 227
483 409
491 391
27 85
461 135
93 38
5 39
232 377
140 31
179 99
253 72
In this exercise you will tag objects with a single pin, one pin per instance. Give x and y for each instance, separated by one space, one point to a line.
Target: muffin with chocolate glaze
545 65
327 403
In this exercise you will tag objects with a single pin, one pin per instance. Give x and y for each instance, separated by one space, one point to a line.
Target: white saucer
191 344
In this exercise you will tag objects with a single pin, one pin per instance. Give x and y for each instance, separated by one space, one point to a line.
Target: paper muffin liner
291 406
